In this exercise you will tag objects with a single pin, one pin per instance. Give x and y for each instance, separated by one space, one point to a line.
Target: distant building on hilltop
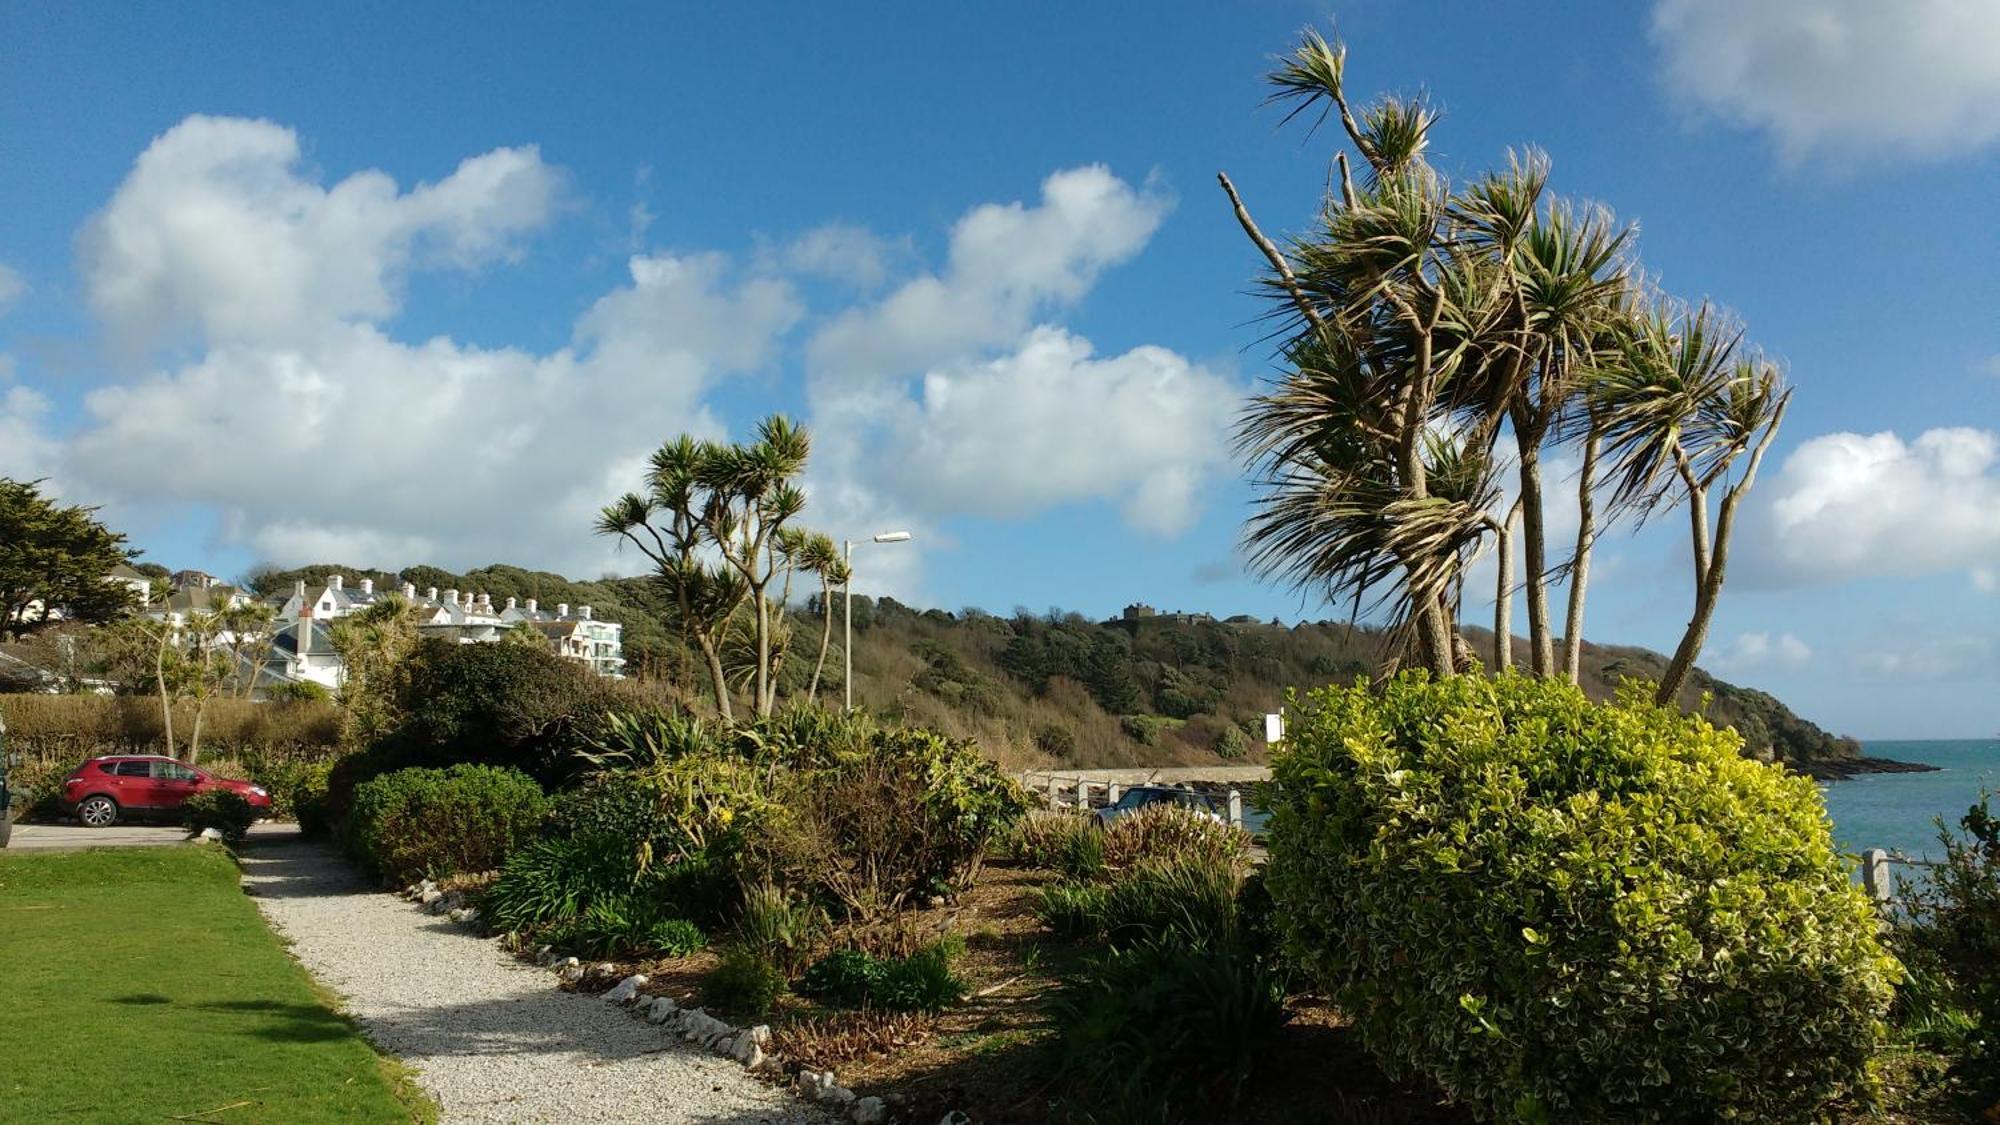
1140 611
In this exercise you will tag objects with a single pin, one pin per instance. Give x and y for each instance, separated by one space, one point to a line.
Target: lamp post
847 609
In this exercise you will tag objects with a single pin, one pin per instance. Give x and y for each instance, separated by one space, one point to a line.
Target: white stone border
747 1046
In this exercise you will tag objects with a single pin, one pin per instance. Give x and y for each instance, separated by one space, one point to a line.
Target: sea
1898 811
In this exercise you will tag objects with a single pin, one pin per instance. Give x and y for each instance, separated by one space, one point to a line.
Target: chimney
562 609
451 597
486 601
431 594
299 590
367 585
510 605
584 613
337 581
409 591
531 606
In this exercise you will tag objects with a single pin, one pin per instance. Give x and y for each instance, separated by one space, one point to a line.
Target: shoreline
1840 769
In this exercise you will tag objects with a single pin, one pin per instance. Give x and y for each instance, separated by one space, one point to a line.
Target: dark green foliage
624 926
1162 1032
673 937
1953 936
556 879
502 705
744 984
1064 842
56 555
853 978
224 810
1072 910
948 677
1571 911
424 822
1231 744
1189 901
1056 740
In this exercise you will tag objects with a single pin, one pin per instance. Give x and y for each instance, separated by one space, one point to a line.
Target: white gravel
490 1038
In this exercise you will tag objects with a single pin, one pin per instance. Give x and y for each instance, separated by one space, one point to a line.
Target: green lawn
141 984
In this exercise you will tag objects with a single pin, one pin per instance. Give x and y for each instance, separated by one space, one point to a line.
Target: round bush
423 822
224 810
1567 911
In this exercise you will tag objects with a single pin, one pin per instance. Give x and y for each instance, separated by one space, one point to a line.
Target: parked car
1140 796
101 791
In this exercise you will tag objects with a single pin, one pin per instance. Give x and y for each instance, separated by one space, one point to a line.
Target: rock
210 836
836 1096
431 894
955 1117
753 1057
570 969
761 1035
606 969
627 990
870 1111
662 1009
810 1083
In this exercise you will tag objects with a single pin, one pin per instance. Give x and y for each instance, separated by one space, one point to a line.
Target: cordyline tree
716 522
1432 337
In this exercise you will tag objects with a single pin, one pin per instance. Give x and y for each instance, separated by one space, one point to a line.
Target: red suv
101 790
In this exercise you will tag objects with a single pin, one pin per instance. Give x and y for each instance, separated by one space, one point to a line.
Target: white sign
1274 729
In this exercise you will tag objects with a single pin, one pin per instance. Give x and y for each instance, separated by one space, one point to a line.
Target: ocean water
1896 810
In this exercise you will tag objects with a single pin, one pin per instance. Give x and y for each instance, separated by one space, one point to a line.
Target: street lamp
847 610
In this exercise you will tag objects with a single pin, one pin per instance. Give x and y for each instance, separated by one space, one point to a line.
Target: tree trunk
825 636
1503 596
194 740
1534 552
1579 571
718 679
160 678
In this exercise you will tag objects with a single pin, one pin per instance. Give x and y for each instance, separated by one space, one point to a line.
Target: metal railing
1876 877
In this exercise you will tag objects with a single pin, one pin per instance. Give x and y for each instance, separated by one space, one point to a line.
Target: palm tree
1687 404
822 559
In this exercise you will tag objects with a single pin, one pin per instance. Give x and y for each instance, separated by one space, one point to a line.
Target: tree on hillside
1418 326
714 521
54 559
374 647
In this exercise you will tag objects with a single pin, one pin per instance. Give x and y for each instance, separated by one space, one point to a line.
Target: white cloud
1963 657
1986 580
1757 651
316 435
1048 424
1851 505
846 253
219 230
26 453
1008 264
1838 77
12 287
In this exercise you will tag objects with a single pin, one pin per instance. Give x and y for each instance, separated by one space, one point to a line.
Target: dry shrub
1171 832
842 1037
84 726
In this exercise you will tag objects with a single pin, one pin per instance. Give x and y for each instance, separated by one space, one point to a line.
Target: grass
141 984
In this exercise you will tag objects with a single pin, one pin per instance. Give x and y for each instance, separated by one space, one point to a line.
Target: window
131 769
174 771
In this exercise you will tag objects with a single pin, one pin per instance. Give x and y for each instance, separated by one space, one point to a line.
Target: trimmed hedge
224 810
1559 910
423 822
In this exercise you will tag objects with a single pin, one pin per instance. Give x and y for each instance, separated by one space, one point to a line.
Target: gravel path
490 1038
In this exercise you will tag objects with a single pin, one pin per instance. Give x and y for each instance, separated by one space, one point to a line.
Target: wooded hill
1055 688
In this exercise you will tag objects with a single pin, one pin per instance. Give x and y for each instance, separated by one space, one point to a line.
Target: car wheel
98 812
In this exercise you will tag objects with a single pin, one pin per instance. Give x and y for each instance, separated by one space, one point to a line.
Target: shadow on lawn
280 1022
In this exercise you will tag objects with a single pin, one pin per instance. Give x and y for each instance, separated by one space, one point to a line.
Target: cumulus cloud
26 452
12 287
1007 265
843 252
1849 505
1047 423
219 230
1914 78
1759 651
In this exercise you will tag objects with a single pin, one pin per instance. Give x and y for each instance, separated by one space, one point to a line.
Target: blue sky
396 286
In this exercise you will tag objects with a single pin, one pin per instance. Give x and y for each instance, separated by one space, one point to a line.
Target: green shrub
674 937
1231 743
1188 900
512 706
557 879
1571 911
309 798
910 814
744 983
1056 741
1053 840
1953 932
853 978
1162 1031
777 926
625 926
1143 729
423 822
1072 910
1171 831
224 810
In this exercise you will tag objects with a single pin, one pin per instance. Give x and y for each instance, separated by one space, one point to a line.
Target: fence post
1083 794
1235 809
1875 874
1055 792
1111 793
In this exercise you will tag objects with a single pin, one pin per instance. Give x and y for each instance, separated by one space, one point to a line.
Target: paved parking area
72 837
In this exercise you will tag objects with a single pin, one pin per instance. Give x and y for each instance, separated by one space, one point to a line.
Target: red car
101 790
